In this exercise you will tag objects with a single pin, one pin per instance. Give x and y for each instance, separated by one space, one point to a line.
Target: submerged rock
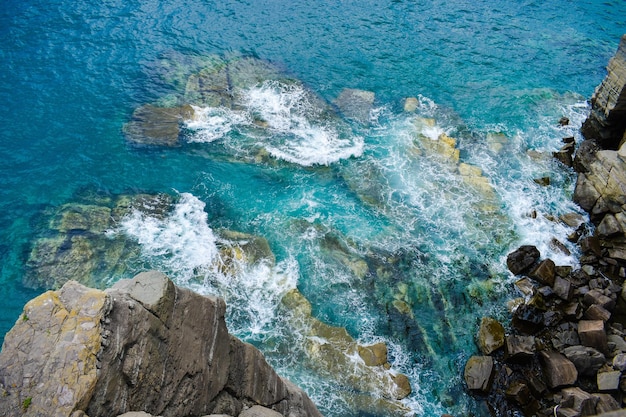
78 247
333 351
154 125
144 344
356 104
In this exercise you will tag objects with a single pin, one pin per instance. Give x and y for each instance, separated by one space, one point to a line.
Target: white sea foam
298 132
184 246
213 123
181 242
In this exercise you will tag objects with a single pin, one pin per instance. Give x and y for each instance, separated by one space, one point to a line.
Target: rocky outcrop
143 345
565 354
607 121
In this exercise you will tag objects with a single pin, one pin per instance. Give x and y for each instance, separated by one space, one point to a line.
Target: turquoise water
494 76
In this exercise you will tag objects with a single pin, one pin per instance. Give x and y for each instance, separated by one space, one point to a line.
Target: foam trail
182 242
213 123
299 135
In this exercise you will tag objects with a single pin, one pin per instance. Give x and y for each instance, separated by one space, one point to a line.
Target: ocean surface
376 223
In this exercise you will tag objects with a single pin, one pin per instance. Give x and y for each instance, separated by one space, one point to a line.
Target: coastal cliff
143 345
565 351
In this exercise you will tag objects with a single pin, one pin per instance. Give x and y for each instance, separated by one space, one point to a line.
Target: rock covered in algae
144 344
76 246
332 350
154 125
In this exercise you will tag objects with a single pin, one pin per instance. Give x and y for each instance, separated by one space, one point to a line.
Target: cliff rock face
143 345
607 121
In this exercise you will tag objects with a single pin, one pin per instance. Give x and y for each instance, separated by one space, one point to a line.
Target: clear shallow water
73 72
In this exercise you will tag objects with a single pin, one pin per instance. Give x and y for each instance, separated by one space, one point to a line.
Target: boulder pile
565 351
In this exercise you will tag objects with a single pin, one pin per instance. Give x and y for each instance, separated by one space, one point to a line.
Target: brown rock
597 297
579 400
479 373
563 288
544 272
519 392
522 259
586 359
591 333
585 194
490 335
606 120
606 403
608 227
597 312
374 355
144 344
519 348
558 371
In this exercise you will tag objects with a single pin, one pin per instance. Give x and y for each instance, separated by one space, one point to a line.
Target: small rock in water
479 373
356 104
411 104
490 335
564 121
522 259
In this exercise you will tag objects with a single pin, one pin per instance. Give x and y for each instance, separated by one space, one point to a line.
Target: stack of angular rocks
565 351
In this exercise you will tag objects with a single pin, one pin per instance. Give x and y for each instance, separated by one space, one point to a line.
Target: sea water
331 195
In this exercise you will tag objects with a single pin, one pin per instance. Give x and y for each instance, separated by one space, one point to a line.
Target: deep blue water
73 72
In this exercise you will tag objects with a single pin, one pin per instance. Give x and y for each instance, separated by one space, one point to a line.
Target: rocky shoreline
565 352
137 348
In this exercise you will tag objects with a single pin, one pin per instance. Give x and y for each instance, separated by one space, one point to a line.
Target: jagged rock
563 288
579 400
479 373
591 333
374 355
519 348
606 403
490 335
572 219
585 194
544 272
619 362
522 259
558 371
144 344
519 392
607 119
597 312
525 286
608 227
527 318
597 297
586 359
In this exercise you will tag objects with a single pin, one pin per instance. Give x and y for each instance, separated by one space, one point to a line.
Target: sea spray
285 119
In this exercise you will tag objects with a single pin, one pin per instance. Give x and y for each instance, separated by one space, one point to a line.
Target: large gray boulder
144 344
